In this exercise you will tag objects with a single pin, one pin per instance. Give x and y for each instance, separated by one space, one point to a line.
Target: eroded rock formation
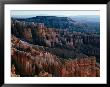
30 60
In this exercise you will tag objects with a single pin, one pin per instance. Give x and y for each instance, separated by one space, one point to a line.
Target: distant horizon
27 14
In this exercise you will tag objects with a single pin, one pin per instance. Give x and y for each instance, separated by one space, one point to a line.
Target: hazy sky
52 13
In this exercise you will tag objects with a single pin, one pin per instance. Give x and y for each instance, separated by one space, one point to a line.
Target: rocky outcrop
46 48
33 61
39 34
26 30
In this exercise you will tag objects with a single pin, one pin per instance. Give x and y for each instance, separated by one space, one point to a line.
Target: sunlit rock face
39 34
44 64
41 51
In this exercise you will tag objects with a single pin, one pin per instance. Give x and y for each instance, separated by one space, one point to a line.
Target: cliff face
31 60
37 49
39 34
